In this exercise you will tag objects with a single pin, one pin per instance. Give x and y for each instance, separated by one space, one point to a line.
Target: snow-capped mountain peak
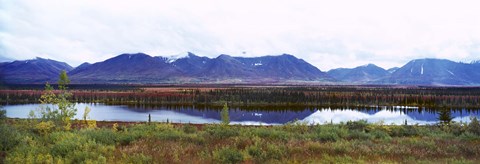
173 58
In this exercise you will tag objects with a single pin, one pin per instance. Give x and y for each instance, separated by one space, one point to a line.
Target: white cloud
324 33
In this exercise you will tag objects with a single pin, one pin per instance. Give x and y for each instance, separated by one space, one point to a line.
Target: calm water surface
397 115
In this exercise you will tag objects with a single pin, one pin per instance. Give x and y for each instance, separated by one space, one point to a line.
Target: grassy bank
30 141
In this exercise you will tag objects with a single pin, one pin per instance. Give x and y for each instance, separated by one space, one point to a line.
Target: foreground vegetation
32 141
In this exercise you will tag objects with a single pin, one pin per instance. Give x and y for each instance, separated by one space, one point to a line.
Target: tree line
351 96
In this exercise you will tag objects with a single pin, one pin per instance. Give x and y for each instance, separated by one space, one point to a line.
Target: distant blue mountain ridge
140 68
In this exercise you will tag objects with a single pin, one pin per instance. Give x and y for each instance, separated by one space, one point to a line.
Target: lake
392 115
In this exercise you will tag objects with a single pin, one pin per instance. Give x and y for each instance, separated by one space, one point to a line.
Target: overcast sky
327 34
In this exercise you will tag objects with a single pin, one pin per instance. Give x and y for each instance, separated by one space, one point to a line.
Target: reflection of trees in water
297 108
315 96
445 116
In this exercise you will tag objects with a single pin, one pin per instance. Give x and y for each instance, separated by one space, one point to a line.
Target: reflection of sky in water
337 116
258 117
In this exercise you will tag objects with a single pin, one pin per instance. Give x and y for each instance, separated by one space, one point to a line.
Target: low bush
257 153
103 136
90 152
325 137
10 137
380 134
469 136
221 132
136 159
44 127
126 138
271 133
359 135
343 147
474 126
403 131
169 135
228 155
328 133
296 127
3 115
360 125
276 152
66 145
189 129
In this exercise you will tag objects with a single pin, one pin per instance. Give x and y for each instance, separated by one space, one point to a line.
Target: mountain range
141 68
37 70
363 74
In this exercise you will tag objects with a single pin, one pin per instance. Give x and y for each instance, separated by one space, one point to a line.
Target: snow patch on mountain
421 72
174 58
451 72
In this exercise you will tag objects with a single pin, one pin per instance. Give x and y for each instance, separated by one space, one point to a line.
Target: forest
247 96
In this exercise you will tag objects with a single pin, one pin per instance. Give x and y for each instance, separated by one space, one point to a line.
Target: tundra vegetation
51 136
35 141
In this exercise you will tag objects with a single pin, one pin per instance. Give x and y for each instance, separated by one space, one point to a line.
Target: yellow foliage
164 127
85 114
59 161
44 158
44 127
381 127
115 127
91 124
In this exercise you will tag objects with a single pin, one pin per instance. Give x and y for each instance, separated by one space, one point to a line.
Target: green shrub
169 135
78 147
29 157
189 129
474 126
338 159
403 131
325 136
64 147
90 151
271 133
194 138
360 125
328 133
10 137
163 127
218 131
296 127
359 135
457 129
3 115
228 155
147 130
380 134
103 136
136 158
342 147
125 138
256 152
469 136
275 151
44 128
